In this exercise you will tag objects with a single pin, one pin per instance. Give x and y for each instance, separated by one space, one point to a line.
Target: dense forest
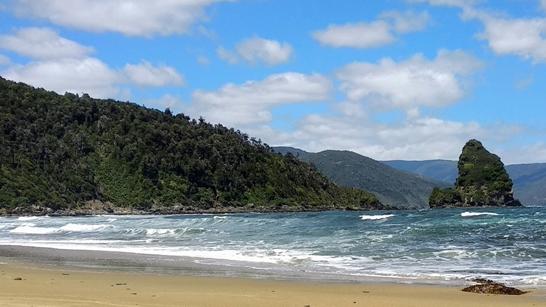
63 152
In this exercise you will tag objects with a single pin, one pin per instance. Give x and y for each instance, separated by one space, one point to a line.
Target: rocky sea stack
482 182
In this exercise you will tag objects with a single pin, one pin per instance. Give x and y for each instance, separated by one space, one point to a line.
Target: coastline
34 284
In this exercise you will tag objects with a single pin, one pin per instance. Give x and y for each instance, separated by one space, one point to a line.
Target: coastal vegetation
349 169
482 181
63 153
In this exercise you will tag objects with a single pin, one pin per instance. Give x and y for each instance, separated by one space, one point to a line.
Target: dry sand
30 285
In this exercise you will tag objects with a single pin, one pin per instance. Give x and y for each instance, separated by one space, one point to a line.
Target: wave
376 217
83 227
160 232
471 214
27 218
32 230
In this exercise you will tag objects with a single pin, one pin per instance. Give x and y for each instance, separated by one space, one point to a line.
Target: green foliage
482 181
349 169
60 151
443 197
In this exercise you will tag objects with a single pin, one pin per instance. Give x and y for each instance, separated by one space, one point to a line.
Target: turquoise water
505 244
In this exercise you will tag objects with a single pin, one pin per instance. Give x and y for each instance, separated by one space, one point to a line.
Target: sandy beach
26 284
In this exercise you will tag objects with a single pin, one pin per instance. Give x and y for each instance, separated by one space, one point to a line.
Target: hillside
529 179
438 170
67 154
482 181
391 186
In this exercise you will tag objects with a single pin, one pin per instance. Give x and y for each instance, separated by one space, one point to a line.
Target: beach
25 284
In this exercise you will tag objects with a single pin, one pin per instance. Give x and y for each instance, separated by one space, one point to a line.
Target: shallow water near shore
431 246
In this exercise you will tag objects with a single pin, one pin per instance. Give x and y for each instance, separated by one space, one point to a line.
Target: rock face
482 182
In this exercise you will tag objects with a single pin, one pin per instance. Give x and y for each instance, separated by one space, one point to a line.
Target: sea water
504 244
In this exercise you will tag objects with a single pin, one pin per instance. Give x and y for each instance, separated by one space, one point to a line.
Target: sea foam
471 214
83 227
376 217
32 230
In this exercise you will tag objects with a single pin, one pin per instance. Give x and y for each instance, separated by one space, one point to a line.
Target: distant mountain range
529 179
408 184
393 187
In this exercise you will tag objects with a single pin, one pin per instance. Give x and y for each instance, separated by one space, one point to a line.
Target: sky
392 79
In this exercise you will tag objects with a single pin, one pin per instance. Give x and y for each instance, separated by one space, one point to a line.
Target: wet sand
37 280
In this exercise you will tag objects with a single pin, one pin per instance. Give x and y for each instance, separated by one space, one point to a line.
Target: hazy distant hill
529 179
391 186
440 170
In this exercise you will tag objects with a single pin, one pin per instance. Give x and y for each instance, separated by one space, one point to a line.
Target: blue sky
395 79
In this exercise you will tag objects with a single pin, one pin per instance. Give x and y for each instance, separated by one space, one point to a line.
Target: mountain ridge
350 169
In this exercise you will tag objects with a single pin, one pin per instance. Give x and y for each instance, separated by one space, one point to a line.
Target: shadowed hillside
391 186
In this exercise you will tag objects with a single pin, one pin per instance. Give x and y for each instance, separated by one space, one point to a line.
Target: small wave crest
33 230
27 218
471 214
376 217
160 232
83 227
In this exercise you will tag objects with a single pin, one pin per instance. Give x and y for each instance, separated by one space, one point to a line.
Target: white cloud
356 35
87 75
419 138
145 74
42 43
372 34
452 3
250 103
523 37
129 17
170 101
408 21
4 60
408 84
543 4
258 50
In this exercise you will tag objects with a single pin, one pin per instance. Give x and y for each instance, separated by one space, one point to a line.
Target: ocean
429 246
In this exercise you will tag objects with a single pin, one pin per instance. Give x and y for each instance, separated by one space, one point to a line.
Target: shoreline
32 284
135 262
123 261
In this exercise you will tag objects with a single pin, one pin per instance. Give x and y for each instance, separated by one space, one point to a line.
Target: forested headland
70 154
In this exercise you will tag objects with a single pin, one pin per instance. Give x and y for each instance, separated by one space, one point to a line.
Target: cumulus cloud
258 50
419 138
42 43
372 34
145 74
408 84
88 75
250 103
129 17
356 35
62 65
523 37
